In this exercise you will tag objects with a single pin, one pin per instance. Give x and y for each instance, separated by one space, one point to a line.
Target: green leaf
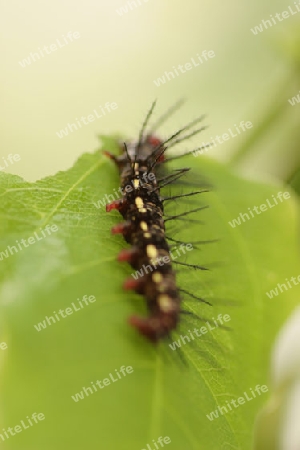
295 182
42 370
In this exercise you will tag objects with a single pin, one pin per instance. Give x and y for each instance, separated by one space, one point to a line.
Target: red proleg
128 254
121 228
116 204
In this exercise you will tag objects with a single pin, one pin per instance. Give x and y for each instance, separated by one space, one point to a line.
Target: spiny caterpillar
142 171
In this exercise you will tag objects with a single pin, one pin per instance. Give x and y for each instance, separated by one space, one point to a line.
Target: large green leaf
163 396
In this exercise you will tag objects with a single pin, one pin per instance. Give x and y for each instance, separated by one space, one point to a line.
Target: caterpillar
142 169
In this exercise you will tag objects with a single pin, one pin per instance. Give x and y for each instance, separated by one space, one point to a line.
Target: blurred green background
116 59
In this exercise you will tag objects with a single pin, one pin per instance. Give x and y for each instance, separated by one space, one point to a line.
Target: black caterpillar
142 171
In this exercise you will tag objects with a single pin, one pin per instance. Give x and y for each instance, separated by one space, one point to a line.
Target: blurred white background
116 59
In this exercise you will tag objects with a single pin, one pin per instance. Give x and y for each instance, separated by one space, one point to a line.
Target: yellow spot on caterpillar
165 303
157 277
139 202
147 235
143 226
136 183
136 166
151 251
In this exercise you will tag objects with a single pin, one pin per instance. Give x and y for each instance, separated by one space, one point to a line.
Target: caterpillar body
142 171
